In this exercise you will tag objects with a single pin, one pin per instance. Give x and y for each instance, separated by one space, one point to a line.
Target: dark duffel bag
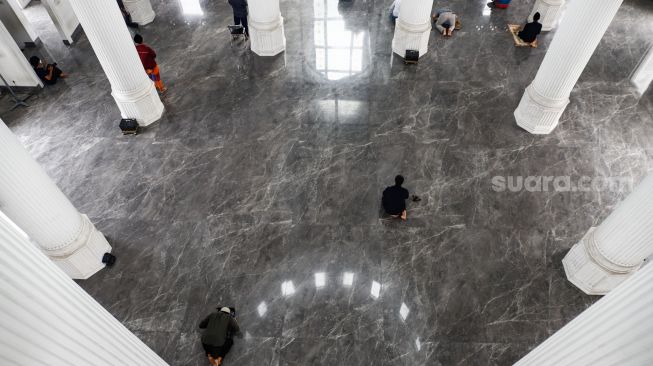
128 126
412 56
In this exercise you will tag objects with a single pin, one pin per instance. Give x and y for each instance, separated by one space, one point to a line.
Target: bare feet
403 215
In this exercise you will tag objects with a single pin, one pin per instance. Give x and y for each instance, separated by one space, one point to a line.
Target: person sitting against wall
48 73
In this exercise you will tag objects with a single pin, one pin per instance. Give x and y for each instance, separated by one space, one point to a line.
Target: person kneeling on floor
48 73
531 30
445 21
217 339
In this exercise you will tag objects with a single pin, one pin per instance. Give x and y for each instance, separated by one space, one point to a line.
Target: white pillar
616 330
33 202
413 27
572 46
132 89
140 10
47 319
266 32
643 73
549 12
611 252
64 19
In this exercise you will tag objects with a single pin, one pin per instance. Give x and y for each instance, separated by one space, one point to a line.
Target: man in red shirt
148 58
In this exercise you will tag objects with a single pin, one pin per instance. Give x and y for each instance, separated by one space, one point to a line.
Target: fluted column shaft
413 27
546 98
47 319
614 250
140 10
549 12
132 89
616 330
266 27
34 203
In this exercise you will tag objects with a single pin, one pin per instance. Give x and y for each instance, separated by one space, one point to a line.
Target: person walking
240 14
220 327
148 58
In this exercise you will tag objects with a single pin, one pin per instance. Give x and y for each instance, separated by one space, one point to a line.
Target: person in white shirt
445 22
394 10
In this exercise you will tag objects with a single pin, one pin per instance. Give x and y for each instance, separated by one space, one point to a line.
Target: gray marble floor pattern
260 187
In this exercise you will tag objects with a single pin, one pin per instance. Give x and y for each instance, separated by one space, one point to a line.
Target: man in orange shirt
148 58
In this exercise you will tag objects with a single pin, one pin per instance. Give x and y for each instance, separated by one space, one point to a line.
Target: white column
572 46
413 27
643 74
611 252
549 12
266 32
64 19
140 10
33 202
32 38
132 89
47 319
616 330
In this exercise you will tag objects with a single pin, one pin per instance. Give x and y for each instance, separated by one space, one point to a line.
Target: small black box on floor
128 126
108 259
412 56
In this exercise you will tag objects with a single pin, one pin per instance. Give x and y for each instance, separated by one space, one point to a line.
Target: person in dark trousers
48 73
218 337
394 199
148 59
531 30
240 13
126 15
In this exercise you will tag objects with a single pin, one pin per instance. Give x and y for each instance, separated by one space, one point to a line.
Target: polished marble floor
260 187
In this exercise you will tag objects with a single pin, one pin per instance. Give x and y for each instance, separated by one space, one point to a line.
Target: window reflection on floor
191 7
338 50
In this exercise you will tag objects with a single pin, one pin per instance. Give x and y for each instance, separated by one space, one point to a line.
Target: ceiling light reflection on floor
376 289
262 309
403 311
287 288
191 7
347 279
418 344
320 279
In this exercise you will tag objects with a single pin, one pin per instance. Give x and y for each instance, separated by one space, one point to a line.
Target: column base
538 114
267 38
140 10
549 11
409 36
143 104
592 273
83 257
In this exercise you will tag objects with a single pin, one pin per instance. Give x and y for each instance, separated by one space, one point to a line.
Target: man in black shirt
531 30
394 199
217 338
49 74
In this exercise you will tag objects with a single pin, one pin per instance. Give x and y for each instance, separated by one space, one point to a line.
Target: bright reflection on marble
418 344
376 289
320 279
287 288
191 7
262 309
338 50
342 111
487 11
403 311
347 279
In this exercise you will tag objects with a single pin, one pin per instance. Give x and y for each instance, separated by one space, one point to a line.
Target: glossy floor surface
260 187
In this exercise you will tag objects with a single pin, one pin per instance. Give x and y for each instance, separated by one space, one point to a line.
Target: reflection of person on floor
148 58
394 10
394 199
240 13
126 15
49 73
445 21
218 337
531 30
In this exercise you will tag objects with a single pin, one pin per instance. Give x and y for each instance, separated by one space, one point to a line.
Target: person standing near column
240 13
148 58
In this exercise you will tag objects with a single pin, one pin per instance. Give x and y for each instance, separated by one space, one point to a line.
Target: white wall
13 64
23 3
64 18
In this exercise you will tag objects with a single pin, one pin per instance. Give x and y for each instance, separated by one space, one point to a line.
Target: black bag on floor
128 126
412 56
